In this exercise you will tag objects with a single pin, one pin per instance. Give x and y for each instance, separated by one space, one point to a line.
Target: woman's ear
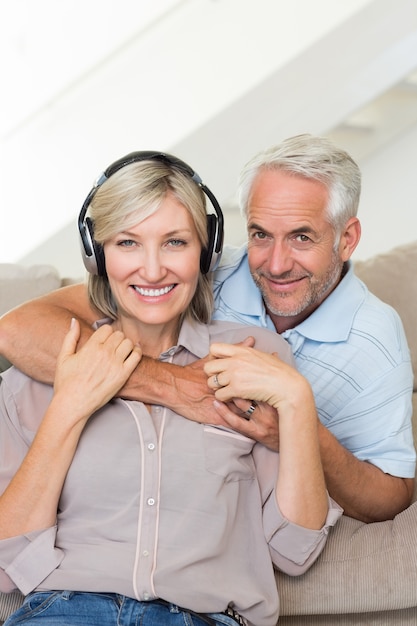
349 238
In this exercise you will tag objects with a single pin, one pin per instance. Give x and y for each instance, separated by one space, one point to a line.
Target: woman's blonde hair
128 197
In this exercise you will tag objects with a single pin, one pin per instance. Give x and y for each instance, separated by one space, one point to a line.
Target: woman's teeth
153 292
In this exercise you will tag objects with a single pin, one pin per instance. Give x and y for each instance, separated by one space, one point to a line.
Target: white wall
221 80
388 209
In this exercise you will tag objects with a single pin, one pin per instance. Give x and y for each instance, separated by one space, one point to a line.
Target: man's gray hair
316 158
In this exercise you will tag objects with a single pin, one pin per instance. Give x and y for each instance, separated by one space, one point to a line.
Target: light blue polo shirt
354 352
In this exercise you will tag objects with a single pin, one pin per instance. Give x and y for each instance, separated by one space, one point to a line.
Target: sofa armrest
9 603
363 568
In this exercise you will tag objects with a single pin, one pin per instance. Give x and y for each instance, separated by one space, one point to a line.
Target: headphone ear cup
208 258
92 252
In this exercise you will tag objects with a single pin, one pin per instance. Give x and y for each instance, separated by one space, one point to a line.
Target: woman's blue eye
127 243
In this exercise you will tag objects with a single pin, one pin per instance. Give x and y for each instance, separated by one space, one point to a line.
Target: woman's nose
152 268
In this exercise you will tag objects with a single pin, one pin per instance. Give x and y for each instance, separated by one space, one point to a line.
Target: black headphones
92 252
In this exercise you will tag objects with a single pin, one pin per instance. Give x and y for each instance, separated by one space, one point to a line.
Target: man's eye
259 235
302 238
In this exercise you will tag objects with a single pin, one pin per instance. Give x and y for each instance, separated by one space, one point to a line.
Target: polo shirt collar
332 321
242 295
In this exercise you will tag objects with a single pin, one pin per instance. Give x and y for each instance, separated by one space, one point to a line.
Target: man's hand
183 389
262 426
195 398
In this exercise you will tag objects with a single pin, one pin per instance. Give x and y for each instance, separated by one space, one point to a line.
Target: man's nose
280 260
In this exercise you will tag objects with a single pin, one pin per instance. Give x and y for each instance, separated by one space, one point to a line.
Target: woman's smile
153 292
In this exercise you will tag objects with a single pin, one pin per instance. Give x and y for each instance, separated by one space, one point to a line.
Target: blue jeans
71 608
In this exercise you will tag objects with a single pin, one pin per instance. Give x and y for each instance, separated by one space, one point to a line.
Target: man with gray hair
294 276
300 200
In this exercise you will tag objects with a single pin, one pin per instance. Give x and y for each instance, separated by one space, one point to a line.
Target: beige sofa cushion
392 276
19 283
9 603
364 569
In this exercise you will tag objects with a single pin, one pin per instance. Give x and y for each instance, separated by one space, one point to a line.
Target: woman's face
153 268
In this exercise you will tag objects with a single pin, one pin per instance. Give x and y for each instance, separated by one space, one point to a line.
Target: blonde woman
114 512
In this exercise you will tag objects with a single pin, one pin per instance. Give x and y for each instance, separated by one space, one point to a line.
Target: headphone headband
92 252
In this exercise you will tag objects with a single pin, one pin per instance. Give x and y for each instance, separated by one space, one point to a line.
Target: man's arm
363 490
31 337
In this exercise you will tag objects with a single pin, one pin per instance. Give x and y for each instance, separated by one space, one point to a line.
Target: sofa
367 573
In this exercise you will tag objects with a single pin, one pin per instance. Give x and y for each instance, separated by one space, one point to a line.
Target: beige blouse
155 505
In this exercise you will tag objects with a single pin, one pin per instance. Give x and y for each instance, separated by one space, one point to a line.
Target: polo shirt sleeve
375 425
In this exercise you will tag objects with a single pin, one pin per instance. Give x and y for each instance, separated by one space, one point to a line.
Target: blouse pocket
228 454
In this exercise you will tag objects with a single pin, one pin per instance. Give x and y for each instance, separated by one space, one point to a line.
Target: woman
114 512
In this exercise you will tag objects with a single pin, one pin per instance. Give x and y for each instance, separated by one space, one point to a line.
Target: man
300 199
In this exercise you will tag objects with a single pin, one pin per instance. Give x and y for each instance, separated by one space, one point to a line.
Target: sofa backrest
19 283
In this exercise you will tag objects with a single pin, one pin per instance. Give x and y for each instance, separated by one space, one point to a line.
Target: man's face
291 246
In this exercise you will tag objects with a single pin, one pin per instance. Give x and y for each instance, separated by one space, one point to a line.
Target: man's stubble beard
317 292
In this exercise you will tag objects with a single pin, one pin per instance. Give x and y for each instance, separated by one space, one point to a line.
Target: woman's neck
152 338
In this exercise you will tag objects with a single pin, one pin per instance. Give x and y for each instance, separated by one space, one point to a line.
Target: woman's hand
89 378
239 371
85 381
242 372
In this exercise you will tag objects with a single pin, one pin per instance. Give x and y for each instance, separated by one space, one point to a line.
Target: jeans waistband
229 612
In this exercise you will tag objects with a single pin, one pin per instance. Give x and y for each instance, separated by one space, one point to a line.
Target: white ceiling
84 81
47 47
381 120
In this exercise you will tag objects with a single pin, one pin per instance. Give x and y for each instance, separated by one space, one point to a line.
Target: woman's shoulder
265 340
15 383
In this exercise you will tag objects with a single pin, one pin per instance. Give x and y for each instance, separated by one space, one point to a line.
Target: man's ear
349 238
